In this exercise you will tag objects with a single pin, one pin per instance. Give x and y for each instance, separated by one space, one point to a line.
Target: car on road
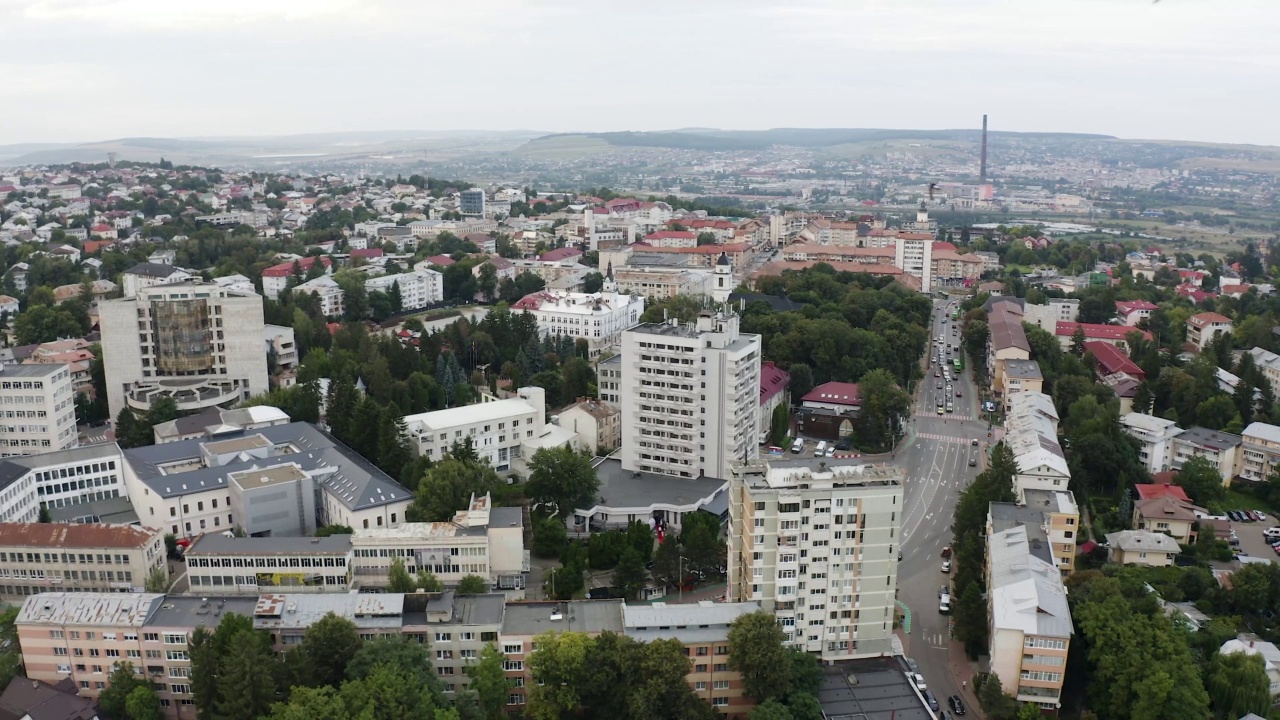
975 443
1272 532
932 701
946 565
939 409
973 461
943 591
957 706
958 393
918 679
939 386
937 372
944 605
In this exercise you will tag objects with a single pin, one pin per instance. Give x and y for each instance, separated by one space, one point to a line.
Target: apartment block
37 409
913 253
817 546
597 423
1259 451
1155 437
233 565
284 480
148 274
1031 432
195 342
471 202
690 396
276 278
1204 328
1222 450
1006 341
327 291
609 379
1021 376
1030 621
1050 517
43 557
418 289
498 429
599 318
1269 363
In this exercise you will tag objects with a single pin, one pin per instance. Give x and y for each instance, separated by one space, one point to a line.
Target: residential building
37 409
773 393
817 546
482 540
1253 645
195 342
597 423
148 274
661 283
1269 363
523 622
599 318
327 290
282 354
1006 341
222 564
1167 514
1155 437
26 699
1222 450
1132 312
828 411
1021 376
1113 334
703 629
1030 621
75 353
294 478
276 278
1051 517
1031 432
75 557
689 396
1259 451
1141 547
913 252
9 306
609 379
471 202
1205 327
418 289
498 429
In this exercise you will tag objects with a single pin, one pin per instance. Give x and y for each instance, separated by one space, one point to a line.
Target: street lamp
680 575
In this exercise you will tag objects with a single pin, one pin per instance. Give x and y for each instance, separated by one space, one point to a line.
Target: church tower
610 285
723 281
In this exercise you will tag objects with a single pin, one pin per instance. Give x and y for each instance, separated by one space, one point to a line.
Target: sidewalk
963 671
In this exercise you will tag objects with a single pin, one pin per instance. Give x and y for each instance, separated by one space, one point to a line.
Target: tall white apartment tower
817 546
690 396
196 342
914 255
37 409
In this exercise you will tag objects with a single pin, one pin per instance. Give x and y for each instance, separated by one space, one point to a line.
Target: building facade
195 342
599 318
1259 451
1155 437
817 546
689 397
327 291
418 289
44 557
597 423
37 409
1221 449
233 565
498 429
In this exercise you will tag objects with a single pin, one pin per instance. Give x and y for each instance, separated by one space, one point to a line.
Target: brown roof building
78 557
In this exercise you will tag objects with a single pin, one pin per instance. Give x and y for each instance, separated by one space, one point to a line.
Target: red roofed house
828 411
103 232
441 260
672 239
704 255
1204 328
1193 293
276 277
367 253
1111 360
92 246
773 392
564 253
1114 334
1147 491
1133 311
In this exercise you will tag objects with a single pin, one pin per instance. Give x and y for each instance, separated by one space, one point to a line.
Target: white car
918 679
1271 532
946 565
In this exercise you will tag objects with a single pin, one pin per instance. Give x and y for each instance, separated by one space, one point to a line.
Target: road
935 453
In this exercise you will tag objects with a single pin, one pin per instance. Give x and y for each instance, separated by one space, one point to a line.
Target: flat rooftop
276 475
219 544
184 611
682 330
625 489
366 610
90 608
235 445
589 616
871 689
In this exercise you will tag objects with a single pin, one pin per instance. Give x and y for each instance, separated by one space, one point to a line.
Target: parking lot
1251 540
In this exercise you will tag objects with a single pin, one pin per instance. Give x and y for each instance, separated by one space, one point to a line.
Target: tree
884 406
991 697
489 682
208 650
770 709
244 690
556 665
629 576
398 578
399 652
1077 341
448 486
756 651
45 516
142 703
305 703
10 649
122 681
428 582
158 580
1202 481
328 530
780 424
130 432
472 585
391 691
328 645
1238 684
41 323
562 479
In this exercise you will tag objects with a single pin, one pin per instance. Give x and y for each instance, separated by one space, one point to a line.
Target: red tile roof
1207 318
1128 307
1094 331
286 268
1155 490
674 234
93 246
835 393
773 380
1112 360
367 253
441 260
563 253
77 535
700 250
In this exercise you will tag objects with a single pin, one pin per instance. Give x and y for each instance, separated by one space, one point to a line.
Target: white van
822 449
944 604
797 447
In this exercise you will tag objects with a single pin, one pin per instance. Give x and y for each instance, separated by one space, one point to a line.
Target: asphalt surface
935 453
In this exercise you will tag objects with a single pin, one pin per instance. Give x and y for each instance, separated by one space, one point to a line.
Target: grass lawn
1237 500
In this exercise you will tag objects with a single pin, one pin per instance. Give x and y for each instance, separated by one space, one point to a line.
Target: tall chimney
982 169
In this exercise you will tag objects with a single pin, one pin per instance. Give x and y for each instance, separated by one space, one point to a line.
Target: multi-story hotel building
497 428
690 396
43 557
1030 622
196 342
37 409
818 547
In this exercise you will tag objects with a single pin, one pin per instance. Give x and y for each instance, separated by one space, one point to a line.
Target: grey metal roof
219 544
116 511
1023 369
1209 438
187 611
150 269
589 616
624 489
357 483
15 467
33 370
506 517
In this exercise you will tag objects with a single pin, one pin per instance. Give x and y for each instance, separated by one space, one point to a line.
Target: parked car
956 705
1272 532
918 679
1233 515
931 700
946 565
912 665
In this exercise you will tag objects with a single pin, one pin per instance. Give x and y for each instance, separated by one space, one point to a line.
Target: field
564 146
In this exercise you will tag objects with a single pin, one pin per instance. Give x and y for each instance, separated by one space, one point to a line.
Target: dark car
604 593
931 700
1233 515
957 706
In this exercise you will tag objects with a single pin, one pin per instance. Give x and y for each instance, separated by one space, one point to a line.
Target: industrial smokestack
982 167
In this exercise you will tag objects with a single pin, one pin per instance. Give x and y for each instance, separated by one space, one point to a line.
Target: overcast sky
82 70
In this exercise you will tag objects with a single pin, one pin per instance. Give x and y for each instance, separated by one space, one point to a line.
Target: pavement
936 453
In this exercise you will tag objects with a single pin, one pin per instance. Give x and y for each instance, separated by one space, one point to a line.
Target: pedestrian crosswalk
936 640
944 438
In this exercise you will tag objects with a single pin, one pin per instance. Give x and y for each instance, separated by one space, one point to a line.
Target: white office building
497 428
195 342
37 409
690 397
418 289
817 546
599 318
1155 437
330 294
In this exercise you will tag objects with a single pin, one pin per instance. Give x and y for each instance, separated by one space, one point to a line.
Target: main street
936 454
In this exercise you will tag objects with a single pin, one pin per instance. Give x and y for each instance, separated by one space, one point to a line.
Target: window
513 665
720 702
515 699
444 637
177 655
180 689
175 639
700 685
721 685
151 637
512 648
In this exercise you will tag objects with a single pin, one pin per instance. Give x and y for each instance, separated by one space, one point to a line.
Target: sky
85 70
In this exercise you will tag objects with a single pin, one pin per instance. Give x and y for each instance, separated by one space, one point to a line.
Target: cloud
194 14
